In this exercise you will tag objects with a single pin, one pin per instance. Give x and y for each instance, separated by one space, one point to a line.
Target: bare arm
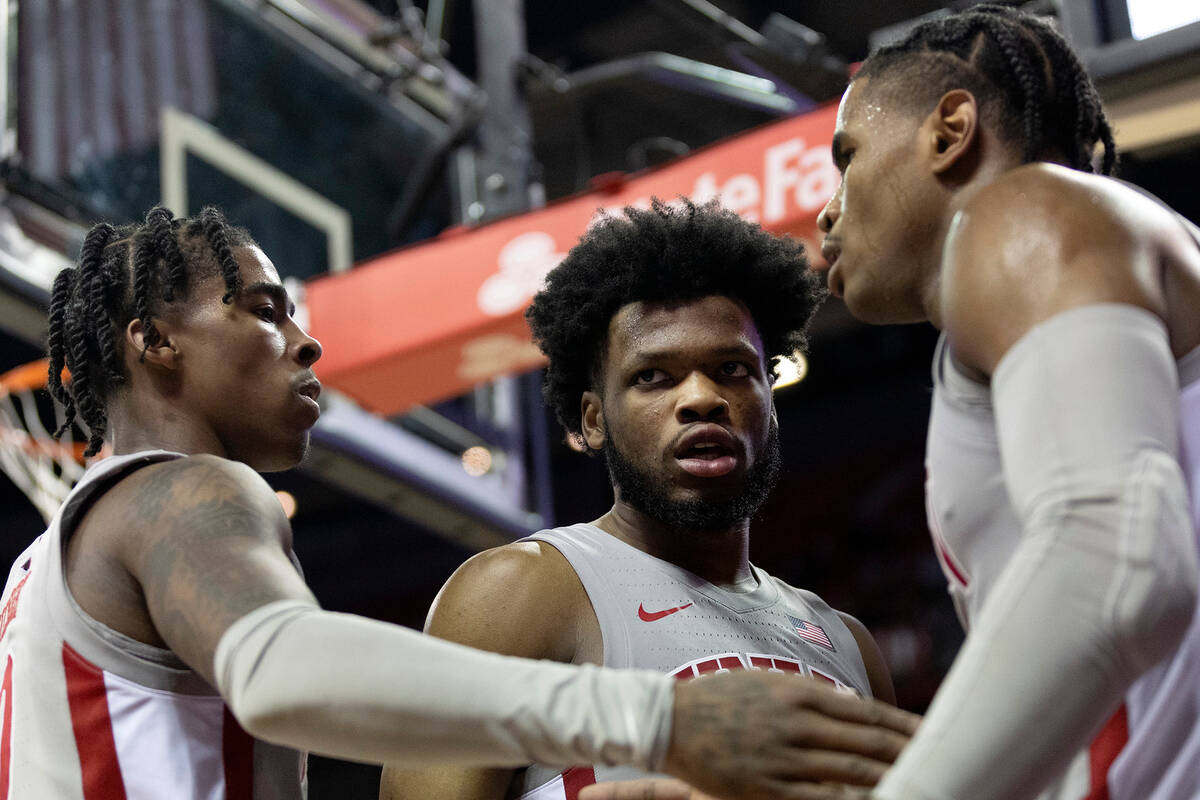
210 544
522 600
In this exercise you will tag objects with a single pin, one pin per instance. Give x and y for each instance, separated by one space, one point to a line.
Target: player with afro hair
668 253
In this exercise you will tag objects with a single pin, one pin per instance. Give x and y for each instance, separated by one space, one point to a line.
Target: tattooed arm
173 553
209 544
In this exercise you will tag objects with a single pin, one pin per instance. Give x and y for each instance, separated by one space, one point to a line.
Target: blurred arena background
415 167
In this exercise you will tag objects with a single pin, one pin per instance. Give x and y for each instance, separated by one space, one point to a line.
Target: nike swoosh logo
651 616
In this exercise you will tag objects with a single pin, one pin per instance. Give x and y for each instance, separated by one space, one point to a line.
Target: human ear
953 127
592 420
152 343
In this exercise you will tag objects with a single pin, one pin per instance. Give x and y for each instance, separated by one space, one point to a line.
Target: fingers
851 708
645 789
769 737
809 765
816 732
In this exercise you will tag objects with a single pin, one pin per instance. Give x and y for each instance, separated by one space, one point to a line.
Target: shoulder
193 472
1042 239
522 599
195 493
877 671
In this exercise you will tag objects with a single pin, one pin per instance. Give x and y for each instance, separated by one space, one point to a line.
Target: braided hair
1021 70
126 273
667 253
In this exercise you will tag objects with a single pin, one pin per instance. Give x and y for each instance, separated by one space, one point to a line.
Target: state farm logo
795 179
792 182
523 264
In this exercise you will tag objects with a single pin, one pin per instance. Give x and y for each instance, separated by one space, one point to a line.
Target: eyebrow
273 290
735 351
838 147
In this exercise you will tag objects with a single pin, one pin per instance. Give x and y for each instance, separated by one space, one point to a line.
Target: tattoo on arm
211 551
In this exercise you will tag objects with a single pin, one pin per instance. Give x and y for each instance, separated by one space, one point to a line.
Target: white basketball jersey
1150 749
655 615
87 713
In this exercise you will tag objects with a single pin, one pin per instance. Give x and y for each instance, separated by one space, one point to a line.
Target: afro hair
670 252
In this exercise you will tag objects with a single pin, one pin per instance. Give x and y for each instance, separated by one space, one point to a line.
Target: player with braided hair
1065 429
158 640
1066 412
88 301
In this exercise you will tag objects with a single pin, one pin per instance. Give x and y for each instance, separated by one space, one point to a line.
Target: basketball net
42 468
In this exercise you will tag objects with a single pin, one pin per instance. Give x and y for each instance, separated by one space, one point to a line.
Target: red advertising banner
430 321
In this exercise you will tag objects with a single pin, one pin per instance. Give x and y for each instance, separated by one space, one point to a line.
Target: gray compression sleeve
1103 583
354 688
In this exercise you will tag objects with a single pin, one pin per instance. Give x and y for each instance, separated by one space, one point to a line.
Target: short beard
649 496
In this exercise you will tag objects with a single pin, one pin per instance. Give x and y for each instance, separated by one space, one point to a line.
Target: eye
734 369
266 312
648 377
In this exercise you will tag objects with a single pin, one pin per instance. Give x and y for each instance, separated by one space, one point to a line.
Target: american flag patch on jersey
811 632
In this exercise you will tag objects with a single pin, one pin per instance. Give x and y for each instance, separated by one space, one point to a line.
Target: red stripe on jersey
88 700
6 730
948 558
1104 751
237 748
575 779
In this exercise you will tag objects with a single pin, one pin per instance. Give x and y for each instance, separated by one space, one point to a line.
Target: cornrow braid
59 297
124 274
82 343
1018 66
145 262
1029 78
214 230
168 245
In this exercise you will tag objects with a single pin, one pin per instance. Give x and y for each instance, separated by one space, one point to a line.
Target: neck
145 421
959 197
721 557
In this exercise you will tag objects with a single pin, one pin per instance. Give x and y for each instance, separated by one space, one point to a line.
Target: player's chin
872 308
284 455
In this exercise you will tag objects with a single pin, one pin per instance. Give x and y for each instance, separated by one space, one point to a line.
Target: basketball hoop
42 468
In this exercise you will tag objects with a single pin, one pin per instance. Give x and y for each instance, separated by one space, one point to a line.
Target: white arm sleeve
1103 583
354 688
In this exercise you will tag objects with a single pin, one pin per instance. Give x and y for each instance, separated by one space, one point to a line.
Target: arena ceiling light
1151 17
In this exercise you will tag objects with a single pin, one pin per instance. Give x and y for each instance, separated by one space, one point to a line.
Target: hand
765 736
645 789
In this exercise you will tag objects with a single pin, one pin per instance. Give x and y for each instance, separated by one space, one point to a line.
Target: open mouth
707 453
309 391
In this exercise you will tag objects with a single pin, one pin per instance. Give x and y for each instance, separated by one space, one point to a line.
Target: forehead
255 266
693 329
863 112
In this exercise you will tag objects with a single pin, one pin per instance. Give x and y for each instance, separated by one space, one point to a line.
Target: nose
307 349
829 213
699 398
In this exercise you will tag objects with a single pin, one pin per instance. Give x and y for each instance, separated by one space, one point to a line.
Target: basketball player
661 327
1066 412
159 634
